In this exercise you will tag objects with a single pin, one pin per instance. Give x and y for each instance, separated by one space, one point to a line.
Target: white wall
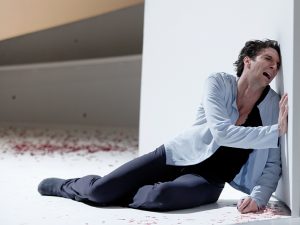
295 121
285 190
184 41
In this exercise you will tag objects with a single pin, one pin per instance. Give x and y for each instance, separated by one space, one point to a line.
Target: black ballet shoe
51 187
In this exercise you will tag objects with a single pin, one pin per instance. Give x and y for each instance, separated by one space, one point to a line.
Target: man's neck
248 89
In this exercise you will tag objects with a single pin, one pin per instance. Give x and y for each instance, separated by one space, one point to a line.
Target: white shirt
215 127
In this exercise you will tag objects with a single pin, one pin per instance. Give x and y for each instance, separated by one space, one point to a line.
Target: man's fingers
285 113
246 210
283 100
239 202
244 204
251 207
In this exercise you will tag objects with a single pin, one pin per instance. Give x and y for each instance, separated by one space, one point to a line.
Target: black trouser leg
123 182
144 183
186 191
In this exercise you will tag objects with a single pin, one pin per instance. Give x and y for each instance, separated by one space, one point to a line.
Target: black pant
145 183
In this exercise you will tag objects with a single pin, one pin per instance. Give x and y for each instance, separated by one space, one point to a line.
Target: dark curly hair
252 49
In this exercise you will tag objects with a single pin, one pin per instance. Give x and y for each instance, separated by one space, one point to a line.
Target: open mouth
267 75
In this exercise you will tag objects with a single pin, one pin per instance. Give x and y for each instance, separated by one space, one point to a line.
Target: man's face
265 66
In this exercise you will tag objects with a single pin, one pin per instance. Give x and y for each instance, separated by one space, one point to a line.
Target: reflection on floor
28 154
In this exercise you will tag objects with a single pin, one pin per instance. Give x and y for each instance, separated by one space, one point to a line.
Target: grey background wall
112 34
99 92
86 72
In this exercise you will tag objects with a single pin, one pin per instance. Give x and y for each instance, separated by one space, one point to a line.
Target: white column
184 41
295 122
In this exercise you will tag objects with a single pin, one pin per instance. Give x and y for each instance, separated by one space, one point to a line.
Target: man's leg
186 191
116 186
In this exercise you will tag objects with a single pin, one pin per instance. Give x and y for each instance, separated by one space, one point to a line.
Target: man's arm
224 131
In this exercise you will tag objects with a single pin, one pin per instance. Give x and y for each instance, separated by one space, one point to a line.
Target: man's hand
247 205
283 113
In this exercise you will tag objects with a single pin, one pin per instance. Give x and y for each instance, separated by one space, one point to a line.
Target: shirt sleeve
268 181
224 131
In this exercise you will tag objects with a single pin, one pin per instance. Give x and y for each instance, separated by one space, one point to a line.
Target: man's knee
174 195
106 192
153 197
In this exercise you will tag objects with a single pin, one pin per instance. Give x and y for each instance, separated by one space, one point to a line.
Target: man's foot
51 187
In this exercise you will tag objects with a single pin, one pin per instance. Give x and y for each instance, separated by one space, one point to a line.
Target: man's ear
247 61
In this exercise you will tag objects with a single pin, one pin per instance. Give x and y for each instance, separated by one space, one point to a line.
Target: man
234 140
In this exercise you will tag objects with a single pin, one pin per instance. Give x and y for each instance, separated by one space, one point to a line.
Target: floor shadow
211 206
274 208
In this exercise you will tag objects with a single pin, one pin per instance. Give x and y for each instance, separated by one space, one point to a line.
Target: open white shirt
215 127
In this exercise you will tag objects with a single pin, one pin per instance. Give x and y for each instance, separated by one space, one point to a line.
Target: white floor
284 221
21 204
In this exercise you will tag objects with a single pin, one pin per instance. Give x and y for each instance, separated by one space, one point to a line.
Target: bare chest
244 108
